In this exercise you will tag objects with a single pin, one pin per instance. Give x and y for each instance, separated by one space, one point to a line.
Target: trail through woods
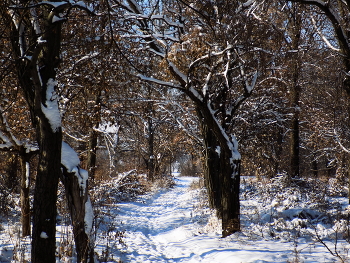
175 225
171 226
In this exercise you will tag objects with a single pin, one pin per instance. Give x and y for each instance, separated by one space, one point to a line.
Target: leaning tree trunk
76 190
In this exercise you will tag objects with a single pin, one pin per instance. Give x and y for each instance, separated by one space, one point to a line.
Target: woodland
95 89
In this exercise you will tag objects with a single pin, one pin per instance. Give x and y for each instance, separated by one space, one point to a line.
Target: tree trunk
35 75
295 95
78 200
93 138
151 157
91 156
36 43
25 204
45 196
230 176
212 168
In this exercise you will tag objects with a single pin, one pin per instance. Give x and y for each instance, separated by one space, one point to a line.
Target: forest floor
307 222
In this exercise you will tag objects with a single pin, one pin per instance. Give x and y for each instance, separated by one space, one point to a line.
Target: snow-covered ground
171 226
174 225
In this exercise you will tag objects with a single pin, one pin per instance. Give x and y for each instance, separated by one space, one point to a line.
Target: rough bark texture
25 204
45 196
42 48
212 169
91 156
230 175
76 197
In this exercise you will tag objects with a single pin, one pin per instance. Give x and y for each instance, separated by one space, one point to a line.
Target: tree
213 68
35 35
24 151
336 12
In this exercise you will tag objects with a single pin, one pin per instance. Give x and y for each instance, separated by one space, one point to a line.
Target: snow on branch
231 140
7 145
323 36
190 133
245 5
211 54
333 16
57 6
159 82
337 139
6 134
89 56
70 160
182 78
9 141
248 87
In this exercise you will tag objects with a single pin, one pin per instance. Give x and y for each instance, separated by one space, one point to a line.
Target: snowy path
157 228
165 228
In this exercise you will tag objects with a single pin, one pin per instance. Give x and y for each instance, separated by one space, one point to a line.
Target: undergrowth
105 196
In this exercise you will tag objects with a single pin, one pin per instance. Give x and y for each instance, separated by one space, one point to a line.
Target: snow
175 225
218 150
27 174
89 217
55 4
195 93
168 226
7 143
69 158
177 72
157 81
57 19
83 5
44 235
232 144
50 106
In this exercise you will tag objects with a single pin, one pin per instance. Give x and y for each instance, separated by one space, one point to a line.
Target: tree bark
150 141
93 138
24 196
212 169
295 95
229 173
33 76
77 198
45 196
